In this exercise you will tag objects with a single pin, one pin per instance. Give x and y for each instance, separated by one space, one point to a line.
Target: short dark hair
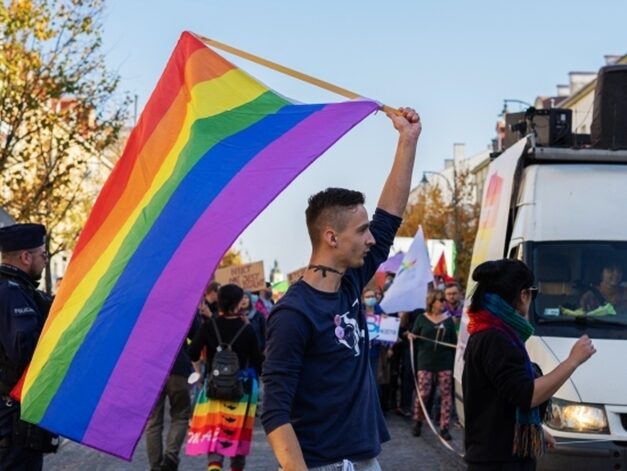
229 297
326 207
506 278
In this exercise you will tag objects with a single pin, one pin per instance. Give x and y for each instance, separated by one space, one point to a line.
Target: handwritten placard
250 276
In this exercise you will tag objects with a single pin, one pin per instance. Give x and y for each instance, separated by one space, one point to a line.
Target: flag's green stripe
205 134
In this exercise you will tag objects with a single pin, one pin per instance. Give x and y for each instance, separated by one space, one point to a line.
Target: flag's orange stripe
126 191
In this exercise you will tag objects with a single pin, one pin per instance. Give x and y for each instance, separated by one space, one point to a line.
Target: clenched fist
582 350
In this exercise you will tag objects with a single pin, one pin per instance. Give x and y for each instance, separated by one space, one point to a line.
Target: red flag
441 271
440 267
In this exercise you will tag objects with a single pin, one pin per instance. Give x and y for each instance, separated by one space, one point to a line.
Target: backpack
225 379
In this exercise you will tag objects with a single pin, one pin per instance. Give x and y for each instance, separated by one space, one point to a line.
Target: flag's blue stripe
72 406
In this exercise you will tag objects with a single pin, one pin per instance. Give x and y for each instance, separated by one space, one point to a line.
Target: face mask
370 302
254 298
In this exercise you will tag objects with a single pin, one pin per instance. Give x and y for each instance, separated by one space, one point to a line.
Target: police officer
23 311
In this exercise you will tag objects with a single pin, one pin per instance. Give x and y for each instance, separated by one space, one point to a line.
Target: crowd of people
225 310
213 423
324 383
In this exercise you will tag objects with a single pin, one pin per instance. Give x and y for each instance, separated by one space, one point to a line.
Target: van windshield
582 286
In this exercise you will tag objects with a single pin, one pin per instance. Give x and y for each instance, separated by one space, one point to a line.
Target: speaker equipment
609 119
553 127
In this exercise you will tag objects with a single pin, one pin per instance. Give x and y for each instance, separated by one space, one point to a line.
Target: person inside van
502 393
609 289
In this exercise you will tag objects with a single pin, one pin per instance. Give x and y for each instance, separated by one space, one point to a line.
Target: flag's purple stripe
128 398
392 264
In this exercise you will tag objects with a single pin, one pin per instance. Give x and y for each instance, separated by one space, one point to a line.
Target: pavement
403 452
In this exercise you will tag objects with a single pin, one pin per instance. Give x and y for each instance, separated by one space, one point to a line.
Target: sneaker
445 434
417 430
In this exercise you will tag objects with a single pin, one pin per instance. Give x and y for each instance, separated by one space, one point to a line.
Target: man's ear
25 257
330 237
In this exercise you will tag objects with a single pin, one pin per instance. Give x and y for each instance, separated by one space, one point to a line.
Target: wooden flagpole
291 72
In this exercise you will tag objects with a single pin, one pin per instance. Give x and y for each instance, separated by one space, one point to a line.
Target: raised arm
395 192
546 386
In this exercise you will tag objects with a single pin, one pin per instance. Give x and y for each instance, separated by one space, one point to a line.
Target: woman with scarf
502 395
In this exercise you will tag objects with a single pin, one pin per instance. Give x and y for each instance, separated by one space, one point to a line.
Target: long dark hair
506 278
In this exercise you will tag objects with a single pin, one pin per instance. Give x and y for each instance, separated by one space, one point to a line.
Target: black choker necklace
324 269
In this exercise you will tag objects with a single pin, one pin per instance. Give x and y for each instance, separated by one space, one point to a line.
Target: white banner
490 239
409 290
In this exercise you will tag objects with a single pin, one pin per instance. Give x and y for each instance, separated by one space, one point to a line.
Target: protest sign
373 322
250 276
388 329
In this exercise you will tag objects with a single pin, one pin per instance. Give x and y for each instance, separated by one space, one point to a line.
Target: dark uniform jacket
23 311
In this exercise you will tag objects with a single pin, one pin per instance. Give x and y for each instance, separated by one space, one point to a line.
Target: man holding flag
321 406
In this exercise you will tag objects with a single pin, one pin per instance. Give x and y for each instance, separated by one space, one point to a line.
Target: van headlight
576 417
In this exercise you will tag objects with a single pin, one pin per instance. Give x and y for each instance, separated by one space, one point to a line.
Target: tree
59 115
232 257
457 220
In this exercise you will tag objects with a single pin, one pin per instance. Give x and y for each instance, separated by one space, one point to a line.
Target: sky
453 61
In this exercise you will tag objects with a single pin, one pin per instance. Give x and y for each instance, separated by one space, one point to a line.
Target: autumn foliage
455 217
60 118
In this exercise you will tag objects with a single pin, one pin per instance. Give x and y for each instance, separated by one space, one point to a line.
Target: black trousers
20 459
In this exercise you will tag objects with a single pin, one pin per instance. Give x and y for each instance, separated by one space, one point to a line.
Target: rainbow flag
223 427
212 149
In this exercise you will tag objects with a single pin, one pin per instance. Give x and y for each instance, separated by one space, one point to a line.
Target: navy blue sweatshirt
317 374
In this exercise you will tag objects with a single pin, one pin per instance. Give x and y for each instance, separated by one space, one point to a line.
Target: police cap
22 237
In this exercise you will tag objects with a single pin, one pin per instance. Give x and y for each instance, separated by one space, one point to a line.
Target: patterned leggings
445 381
216 461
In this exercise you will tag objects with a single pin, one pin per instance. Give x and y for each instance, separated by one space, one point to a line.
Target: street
403 453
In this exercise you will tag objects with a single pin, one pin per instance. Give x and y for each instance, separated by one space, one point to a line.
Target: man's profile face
38 258
355 240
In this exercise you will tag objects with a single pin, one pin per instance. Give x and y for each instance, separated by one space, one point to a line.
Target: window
581 286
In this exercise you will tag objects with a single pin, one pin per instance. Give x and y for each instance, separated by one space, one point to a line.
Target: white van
567 220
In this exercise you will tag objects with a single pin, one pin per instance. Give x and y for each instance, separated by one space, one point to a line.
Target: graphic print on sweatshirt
347 330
